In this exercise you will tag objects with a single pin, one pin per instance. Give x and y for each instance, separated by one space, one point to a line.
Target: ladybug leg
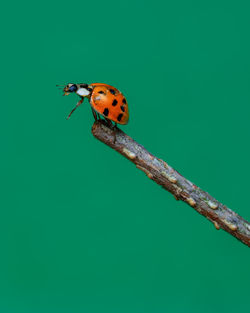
94 114
114 126
108 122
99 116
77 105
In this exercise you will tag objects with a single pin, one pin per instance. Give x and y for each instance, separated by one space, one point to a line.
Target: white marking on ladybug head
83 92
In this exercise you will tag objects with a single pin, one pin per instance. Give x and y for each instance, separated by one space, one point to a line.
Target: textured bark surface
182 189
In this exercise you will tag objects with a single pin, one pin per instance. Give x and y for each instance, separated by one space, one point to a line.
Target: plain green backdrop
81 229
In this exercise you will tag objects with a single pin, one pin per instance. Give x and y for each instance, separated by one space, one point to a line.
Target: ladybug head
69 89
82 90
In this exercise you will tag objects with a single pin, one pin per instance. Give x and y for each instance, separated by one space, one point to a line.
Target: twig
182 189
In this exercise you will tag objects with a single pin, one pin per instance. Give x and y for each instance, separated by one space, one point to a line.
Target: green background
81 229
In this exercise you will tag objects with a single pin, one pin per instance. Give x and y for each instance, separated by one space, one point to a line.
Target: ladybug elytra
104 99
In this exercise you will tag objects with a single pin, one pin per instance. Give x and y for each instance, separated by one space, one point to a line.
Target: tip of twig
109 134
97 124
103 125
100 124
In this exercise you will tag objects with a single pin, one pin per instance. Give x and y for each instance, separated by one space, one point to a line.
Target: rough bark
182 189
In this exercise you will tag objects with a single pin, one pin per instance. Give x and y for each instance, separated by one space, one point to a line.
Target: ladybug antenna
60 86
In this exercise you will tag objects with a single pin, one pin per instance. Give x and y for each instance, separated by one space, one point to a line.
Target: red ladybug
104 99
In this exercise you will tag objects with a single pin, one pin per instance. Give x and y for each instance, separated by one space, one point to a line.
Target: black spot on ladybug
119 117
101 92
106 112
124 101
112 91
114 103
122 108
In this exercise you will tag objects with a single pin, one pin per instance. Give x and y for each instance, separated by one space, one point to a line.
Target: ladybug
105 101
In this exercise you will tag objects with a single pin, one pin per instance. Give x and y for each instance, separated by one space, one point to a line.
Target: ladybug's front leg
77 105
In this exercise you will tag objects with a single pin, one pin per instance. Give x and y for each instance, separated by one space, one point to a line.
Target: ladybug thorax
83 90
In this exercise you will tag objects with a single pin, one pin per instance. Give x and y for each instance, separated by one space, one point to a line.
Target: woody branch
181 188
